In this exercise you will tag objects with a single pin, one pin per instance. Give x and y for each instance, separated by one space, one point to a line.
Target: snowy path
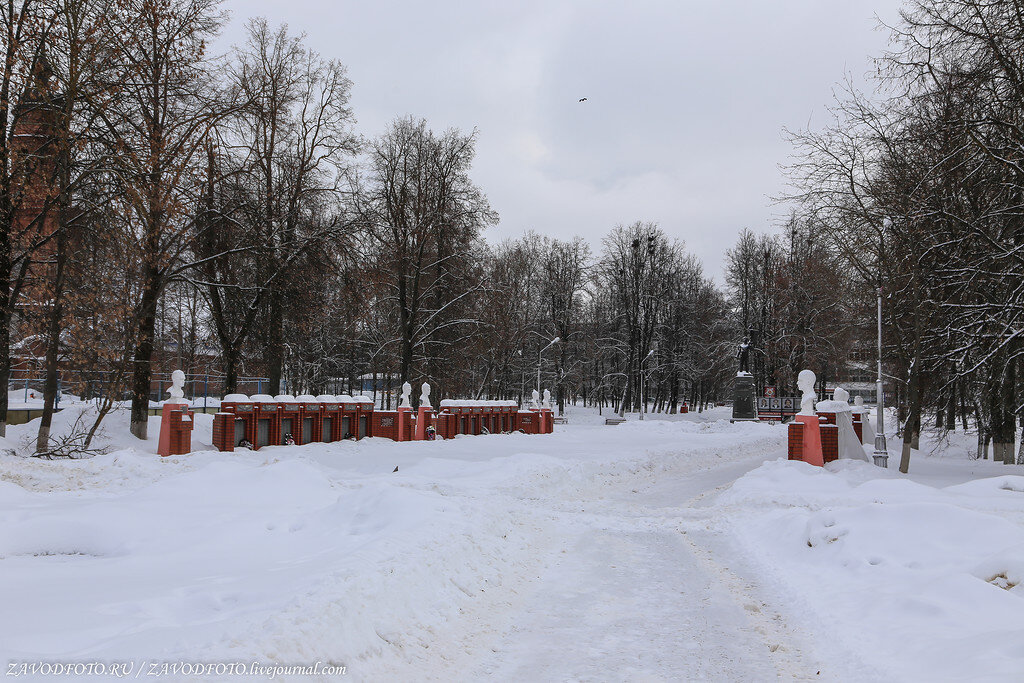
629 593
629 605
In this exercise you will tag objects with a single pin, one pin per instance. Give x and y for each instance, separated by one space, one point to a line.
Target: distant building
34 140
859 375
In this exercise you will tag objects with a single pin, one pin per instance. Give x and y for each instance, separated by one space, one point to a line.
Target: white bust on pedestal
406 394
425 396
805 383
177 390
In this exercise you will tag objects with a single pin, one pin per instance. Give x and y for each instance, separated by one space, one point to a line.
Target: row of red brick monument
263 420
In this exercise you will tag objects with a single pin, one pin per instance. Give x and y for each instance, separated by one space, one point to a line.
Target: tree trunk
1008 409
1020 453
5 367
915 408
230 355
275 343
950 422
50 383
142 372
914 398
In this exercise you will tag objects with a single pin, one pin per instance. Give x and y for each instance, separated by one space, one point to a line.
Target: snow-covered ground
918 576
679 549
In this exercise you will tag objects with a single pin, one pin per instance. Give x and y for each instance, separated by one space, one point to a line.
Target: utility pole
881 454
539 353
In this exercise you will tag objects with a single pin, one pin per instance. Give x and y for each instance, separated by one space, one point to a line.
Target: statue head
805 381
177 390
858 401
425 395
841 394
547 398
406 393
536 399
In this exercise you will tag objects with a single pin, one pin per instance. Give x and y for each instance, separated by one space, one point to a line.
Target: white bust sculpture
547 399
805 383
406 393
535 402
841 394
425 396
858 403
177 390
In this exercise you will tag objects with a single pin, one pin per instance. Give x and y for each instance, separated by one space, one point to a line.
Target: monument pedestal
424 418
744 407
811 434
404 423
175 429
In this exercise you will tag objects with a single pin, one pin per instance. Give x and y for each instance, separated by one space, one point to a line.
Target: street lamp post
643 399
881 454
552 343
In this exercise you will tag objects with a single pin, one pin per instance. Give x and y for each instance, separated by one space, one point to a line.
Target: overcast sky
686 99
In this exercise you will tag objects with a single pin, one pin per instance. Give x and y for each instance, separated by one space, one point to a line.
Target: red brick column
796 440
424 418
445 424
175 429
829 442
811 450
224 431
404 421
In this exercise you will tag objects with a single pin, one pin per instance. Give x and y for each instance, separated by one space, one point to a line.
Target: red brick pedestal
811 440
175 429
424 419
224 431
796 440
404 423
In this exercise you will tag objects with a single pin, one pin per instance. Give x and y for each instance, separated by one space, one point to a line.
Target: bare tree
423 213
156 130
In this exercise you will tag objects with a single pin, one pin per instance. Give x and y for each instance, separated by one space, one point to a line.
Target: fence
199 388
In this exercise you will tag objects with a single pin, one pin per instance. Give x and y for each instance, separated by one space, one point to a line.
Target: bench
560 420
614 420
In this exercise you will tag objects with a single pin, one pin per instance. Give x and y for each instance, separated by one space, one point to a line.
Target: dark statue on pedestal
743 353
743 402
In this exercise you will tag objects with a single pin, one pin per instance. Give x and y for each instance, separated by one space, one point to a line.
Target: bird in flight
583 99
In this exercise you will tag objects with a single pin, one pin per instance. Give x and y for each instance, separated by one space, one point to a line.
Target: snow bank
920 581
165 568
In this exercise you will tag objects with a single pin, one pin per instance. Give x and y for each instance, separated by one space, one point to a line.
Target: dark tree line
162 206
918 190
